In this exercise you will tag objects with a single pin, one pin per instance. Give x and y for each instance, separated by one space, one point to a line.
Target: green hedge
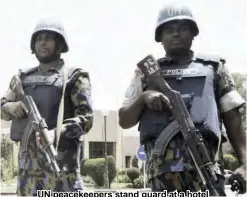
8 171
6 148
135 162
123 179
133 173
95 169
122 171
230 162
139 182
83 171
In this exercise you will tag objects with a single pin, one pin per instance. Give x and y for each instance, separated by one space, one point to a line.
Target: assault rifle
184 124
35 123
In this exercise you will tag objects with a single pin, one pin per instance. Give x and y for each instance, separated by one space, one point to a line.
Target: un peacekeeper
45 83
215 101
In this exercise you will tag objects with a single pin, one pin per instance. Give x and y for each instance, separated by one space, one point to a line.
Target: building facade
122 144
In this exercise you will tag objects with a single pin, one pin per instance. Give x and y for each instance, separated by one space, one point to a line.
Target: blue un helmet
50 25
173 12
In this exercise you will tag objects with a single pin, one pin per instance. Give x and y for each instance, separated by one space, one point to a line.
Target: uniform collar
56 67
168 61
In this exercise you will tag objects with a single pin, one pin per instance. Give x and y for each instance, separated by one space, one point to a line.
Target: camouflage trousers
29 182
175 170
182 181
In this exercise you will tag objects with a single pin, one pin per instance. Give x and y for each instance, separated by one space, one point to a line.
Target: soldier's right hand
156 100
16 109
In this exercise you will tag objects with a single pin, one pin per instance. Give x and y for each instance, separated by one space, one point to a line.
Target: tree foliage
240 81
241 86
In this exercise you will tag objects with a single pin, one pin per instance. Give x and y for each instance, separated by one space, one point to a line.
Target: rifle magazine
165 137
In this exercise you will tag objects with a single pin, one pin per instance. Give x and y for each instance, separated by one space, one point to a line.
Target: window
97 149
82 151
127 161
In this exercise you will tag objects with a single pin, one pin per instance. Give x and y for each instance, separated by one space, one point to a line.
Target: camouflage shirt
177 157
73 127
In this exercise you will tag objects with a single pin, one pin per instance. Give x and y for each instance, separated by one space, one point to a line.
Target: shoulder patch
131 92
209 59
74 73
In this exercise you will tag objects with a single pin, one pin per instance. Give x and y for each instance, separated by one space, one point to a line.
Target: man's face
45 46
177 36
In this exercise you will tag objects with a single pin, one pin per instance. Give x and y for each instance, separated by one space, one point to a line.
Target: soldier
45 84
209 93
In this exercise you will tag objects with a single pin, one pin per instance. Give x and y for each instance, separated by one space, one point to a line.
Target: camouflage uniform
175 169
34 170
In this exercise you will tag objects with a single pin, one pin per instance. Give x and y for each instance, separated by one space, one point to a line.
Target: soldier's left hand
239 175
51 136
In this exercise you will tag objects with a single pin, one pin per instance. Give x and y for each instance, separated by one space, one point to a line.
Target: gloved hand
16 109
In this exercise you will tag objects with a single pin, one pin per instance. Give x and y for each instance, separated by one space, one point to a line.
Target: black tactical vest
46 91
195 82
